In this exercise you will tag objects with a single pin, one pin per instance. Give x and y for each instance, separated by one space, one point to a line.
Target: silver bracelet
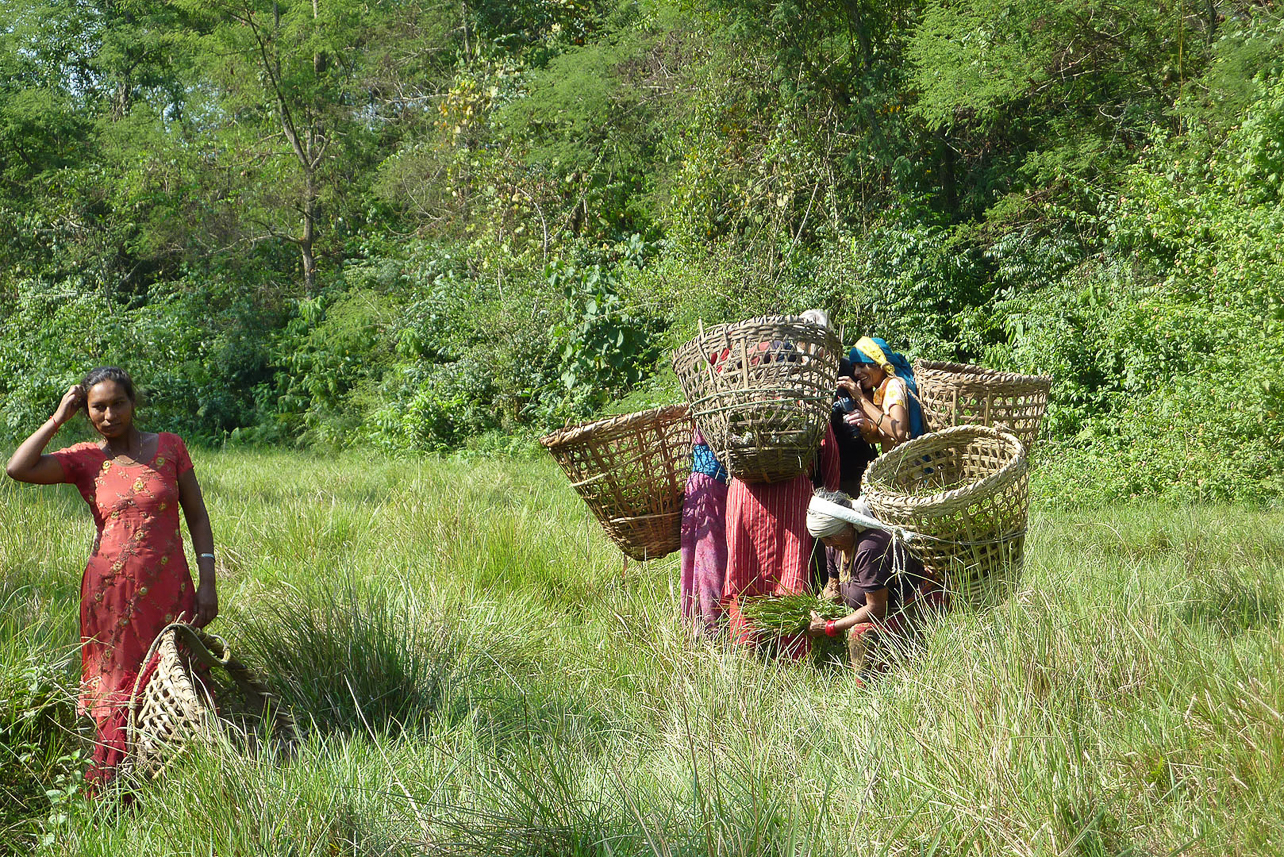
203 555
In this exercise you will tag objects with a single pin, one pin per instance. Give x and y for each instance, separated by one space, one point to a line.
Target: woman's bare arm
874 610
29 462
198 526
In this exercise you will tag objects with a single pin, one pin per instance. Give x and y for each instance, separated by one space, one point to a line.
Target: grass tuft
478 672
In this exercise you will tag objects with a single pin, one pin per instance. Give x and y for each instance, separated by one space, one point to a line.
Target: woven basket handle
210 650
213 651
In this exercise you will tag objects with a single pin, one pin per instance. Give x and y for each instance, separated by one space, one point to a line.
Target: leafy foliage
412 226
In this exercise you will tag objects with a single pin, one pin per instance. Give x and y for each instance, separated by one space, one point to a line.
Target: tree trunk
308 238
948 186
123 98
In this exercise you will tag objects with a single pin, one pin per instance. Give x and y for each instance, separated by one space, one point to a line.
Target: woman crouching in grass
874 575
137 580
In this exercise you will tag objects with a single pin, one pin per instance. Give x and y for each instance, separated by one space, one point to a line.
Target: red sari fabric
768 546
136 582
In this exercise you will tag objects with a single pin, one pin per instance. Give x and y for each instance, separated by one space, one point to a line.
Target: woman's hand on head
206 604
849 386
71 402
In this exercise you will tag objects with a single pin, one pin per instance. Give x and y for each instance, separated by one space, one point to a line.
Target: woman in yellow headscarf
889 413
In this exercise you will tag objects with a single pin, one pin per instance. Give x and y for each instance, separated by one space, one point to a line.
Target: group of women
744 540
739 539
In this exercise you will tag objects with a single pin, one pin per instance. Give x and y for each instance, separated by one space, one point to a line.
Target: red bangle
830 630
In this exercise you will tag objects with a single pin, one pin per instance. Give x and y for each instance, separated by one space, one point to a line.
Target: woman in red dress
137 580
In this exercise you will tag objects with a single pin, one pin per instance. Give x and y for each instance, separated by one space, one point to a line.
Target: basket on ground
956 394
631 470
176 706
964 492
761 392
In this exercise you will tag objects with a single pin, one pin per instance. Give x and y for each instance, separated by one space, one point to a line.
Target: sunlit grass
477 671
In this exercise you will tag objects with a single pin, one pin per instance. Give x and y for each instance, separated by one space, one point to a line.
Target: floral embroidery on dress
130 589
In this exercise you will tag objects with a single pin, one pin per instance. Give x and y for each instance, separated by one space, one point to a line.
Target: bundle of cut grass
791 614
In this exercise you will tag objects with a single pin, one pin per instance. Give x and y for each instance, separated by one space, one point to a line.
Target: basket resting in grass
760 392
955 394
179 704
964 493
631 470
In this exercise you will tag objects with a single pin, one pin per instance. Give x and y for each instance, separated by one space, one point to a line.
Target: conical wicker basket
964 490
761 392
176 706
956 394
631 470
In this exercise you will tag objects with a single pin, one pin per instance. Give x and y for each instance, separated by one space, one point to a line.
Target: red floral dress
136 582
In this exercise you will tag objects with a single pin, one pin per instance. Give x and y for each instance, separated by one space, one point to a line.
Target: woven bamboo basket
965 492
761 392
956 394
176 706
632 471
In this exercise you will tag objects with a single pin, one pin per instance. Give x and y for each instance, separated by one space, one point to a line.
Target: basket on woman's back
963 492
956 394
760 392
631 471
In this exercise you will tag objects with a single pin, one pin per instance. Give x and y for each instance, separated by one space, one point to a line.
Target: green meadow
477 671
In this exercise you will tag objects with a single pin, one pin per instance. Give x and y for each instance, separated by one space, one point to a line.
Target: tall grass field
477 671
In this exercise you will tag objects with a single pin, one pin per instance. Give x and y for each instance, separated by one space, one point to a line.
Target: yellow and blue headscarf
871 350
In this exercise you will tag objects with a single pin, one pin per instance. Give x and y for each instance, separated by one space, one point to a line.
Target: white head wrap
826 518
817 316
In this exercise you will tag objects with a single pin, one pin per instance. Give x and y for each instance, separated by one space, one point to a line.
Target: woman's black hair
109 373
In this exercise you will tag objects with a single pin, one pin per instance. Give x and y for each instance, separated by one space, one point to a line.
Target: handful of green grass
789 614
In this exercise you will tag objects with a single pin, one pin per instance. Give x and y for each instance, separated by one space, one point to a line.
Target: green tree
290 103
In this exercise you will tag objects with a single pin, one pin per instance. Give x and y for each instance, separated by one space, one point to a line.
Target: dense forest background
424 225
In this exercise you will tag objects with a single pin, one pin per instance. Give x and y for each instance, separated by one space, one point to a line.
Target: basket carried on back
631 470
964 490
761 392
180 704
956 394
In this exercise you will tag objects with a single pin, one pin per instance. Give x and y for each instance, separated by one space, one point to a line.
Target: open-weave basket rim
882 471
967 372
730 330
760 392
215 652
610 427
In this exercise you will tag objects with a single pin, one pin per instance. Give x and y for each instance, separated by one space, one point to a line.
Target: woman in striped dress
768 546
